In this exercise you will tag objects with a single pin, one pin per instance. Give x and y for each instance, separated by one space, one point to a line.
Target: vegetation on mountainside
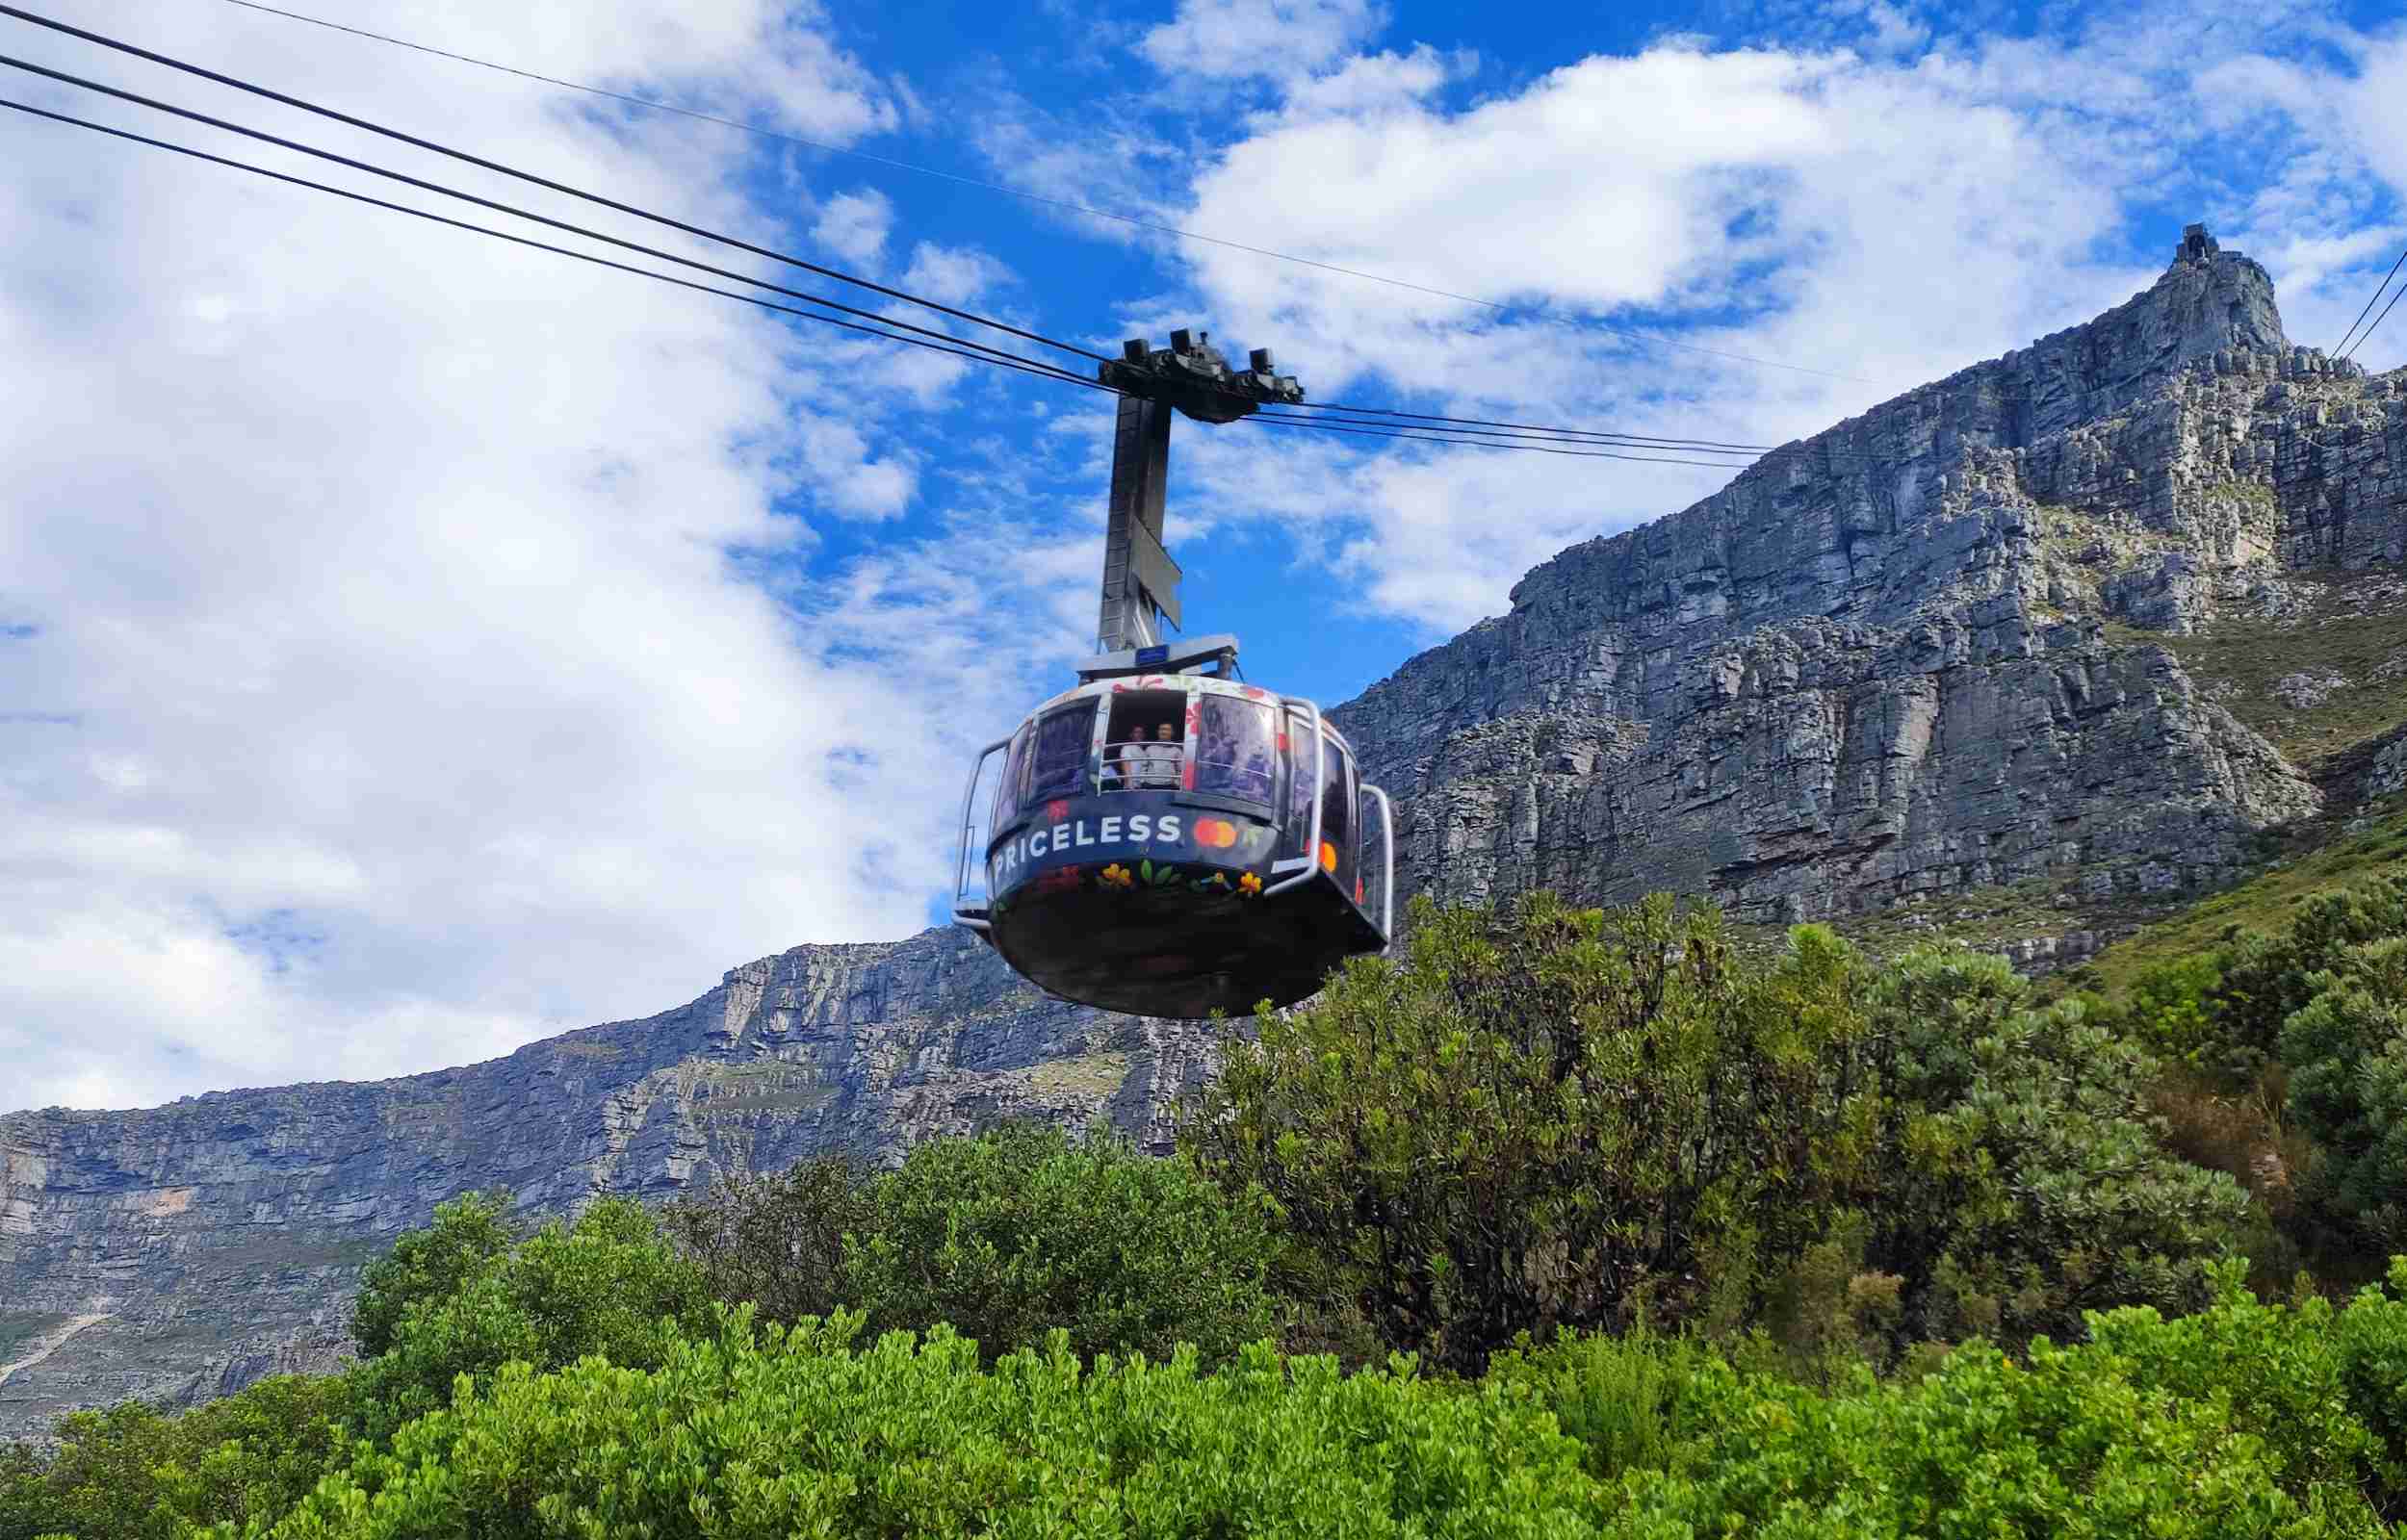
1555 1222
2353 628
2267 903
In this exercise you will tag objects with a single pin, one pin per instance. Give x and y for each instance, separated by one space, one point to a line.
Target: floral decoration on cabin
1056 811
1060 880
1116 875
1248 886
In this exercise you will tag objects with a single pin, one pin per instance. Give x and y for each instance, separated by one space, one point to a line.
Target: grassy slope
2354 626
2264 901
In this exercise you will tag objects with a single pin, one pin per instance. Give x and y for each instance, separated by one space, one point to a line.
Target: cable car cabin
1172 844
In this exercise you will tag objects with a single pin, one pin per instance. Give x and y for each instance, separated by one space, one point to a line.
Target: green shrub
2242 1422
2022 1181
2067 1445
776 1240
1005 1236
1013 1234
1630 1400
804 1434
2169 1008
2346 1051
132 1473
468 1232
1538 1117
2268 978
610 1285
2320 1387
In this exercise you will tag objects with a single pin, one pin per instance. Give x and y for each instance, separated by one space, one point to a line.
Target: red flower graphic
1060 880
1056 811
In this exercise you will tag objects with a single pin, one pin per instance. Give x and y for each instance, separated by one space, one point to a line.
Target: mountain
2085 621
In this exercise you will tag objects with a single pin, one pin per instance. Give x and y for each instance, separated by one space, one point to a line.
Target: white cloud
404 655
1890 212
1233 40
953 275
854 225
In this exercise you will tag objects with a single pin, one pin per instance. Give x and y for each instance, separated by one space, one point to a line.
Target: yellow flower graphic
1249 885
1116 875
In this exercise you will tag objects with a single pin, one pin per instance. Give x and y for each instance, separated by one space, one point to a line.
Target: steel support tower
1140 580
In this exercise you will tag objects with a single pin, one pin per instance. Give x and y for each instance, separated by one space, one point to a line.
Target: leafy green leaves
1006 1235
807 1434
1541 1116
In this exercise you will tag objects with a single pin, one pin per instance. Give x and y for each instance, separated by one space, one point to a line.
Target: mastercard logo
1215 833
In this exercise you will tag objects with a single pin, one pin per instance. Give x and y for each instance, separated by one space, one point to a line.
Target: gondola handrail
973 918
1320 768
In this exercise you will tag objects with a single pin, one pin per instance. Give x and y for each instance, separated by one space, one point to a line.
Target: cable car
1174 843
1166 839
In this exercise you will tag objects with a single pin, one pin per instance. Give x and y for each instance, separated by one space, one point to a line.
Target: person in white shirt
1158 764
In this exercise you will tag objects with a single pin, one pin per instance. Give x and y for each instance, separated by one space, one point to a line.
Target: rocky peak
1878 665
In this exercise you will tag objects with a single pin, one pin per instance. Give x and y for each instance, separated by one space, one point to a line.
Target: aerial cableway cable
1361 417
415 141
1483 443
1030 367
2341 347
1606 434
525 214
1026 367
664 219
943 342
1032 197
2378 320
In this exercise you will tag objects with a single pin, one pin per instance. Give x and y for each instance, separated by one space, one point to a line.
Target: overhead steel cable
424 185
1026 366
1481 422
953 344
2377 320
1022 192
1037 369
1484 443
2342 346
1502 433
480 161
1372 416
495 166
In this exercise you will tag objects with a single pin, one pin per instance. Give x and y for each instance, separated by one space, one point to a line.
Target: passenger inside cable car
1141 747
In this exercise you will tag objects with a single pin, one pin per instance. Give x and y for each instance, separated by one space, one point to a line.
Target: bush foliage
1674 1243
1540 1117
1006 1237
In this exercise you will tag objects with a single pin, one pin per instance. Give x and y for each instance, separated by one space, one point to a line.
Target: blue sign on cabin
1147 657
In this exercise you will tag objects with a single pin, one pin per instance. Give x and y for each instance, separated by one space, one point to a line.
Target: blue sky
411 647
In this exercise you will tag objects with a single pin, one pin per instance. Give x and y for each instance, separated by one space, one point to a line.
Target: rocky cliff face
1910 655
2034 623
182 1251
